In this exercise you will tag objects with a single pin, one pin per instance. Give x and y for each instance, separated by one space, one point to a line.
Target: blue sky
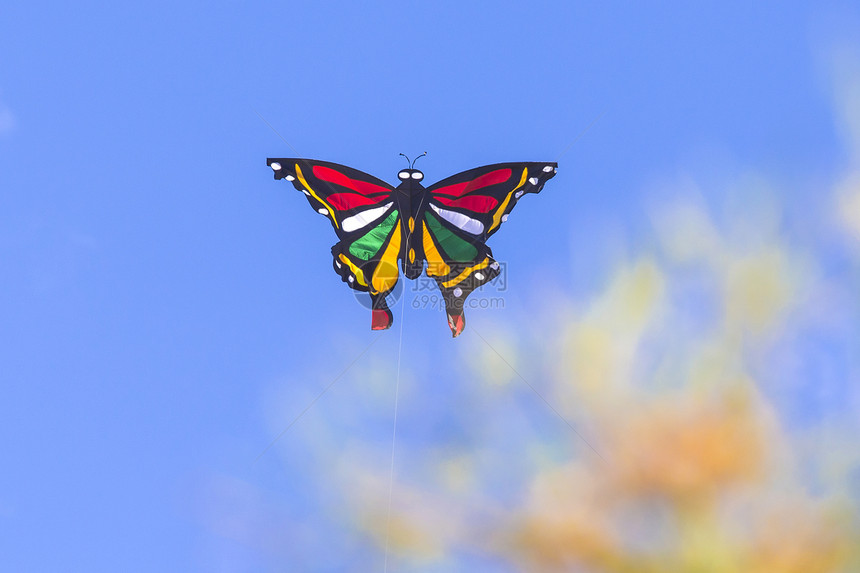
164 300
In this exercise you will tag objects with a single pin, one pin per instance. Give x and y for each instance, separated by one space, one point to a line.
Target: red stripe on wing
344 201
332 176
491 178
477 203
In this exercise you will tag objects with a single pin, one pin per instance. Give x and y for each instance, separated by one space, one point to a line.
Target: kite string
396 398
394 432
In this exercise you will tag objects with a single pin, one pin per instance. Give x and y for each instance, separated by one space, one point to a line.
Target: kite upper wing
350 199
479 200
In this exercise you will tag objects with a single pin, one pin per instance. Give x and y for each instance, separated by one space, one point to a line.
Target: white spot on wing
479 276
458 292
547 169
460 220
504 218
364 218
290 178
533 180
519 194
276 166
338 264
322 211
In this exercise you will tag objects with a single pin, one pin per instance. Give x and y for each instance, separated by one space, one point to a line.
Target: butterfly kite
445 225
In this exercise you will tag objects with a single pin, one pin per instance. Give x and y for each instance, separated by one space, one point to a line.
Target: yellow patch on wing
313 193
386 273
497 217
466 272
436 265
359 274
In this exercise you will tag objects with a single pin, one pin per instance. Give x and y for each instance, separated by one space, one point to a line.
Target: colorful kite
445 225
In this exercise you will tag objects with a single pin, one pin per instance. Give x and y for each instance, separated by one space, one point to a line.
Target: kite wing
363 213
350 199
463 212
479 200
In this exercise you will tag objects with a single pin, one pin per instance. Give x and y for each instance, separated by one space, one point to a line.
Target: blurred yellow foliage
848 205
685 447
690 473
757 290
599 349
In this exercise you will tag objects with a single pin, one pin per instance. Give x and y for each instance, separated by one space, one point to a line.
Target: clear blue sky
157 286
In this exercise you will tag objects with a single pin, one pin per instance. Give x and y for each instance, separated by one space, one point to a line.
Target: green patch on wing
456 248
369 244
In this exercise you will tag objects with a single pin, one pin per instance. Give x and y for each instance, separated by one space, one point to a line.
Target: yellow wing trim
359 274
497 217
386 273
315 196
466 272
436 266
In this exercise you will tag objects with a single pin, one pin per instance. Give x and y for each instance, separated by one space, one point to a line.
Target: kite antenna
407 160
416 159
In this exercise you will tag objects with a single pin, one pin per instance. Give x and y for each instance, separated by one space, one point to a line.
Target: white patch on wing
364 218
459 220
